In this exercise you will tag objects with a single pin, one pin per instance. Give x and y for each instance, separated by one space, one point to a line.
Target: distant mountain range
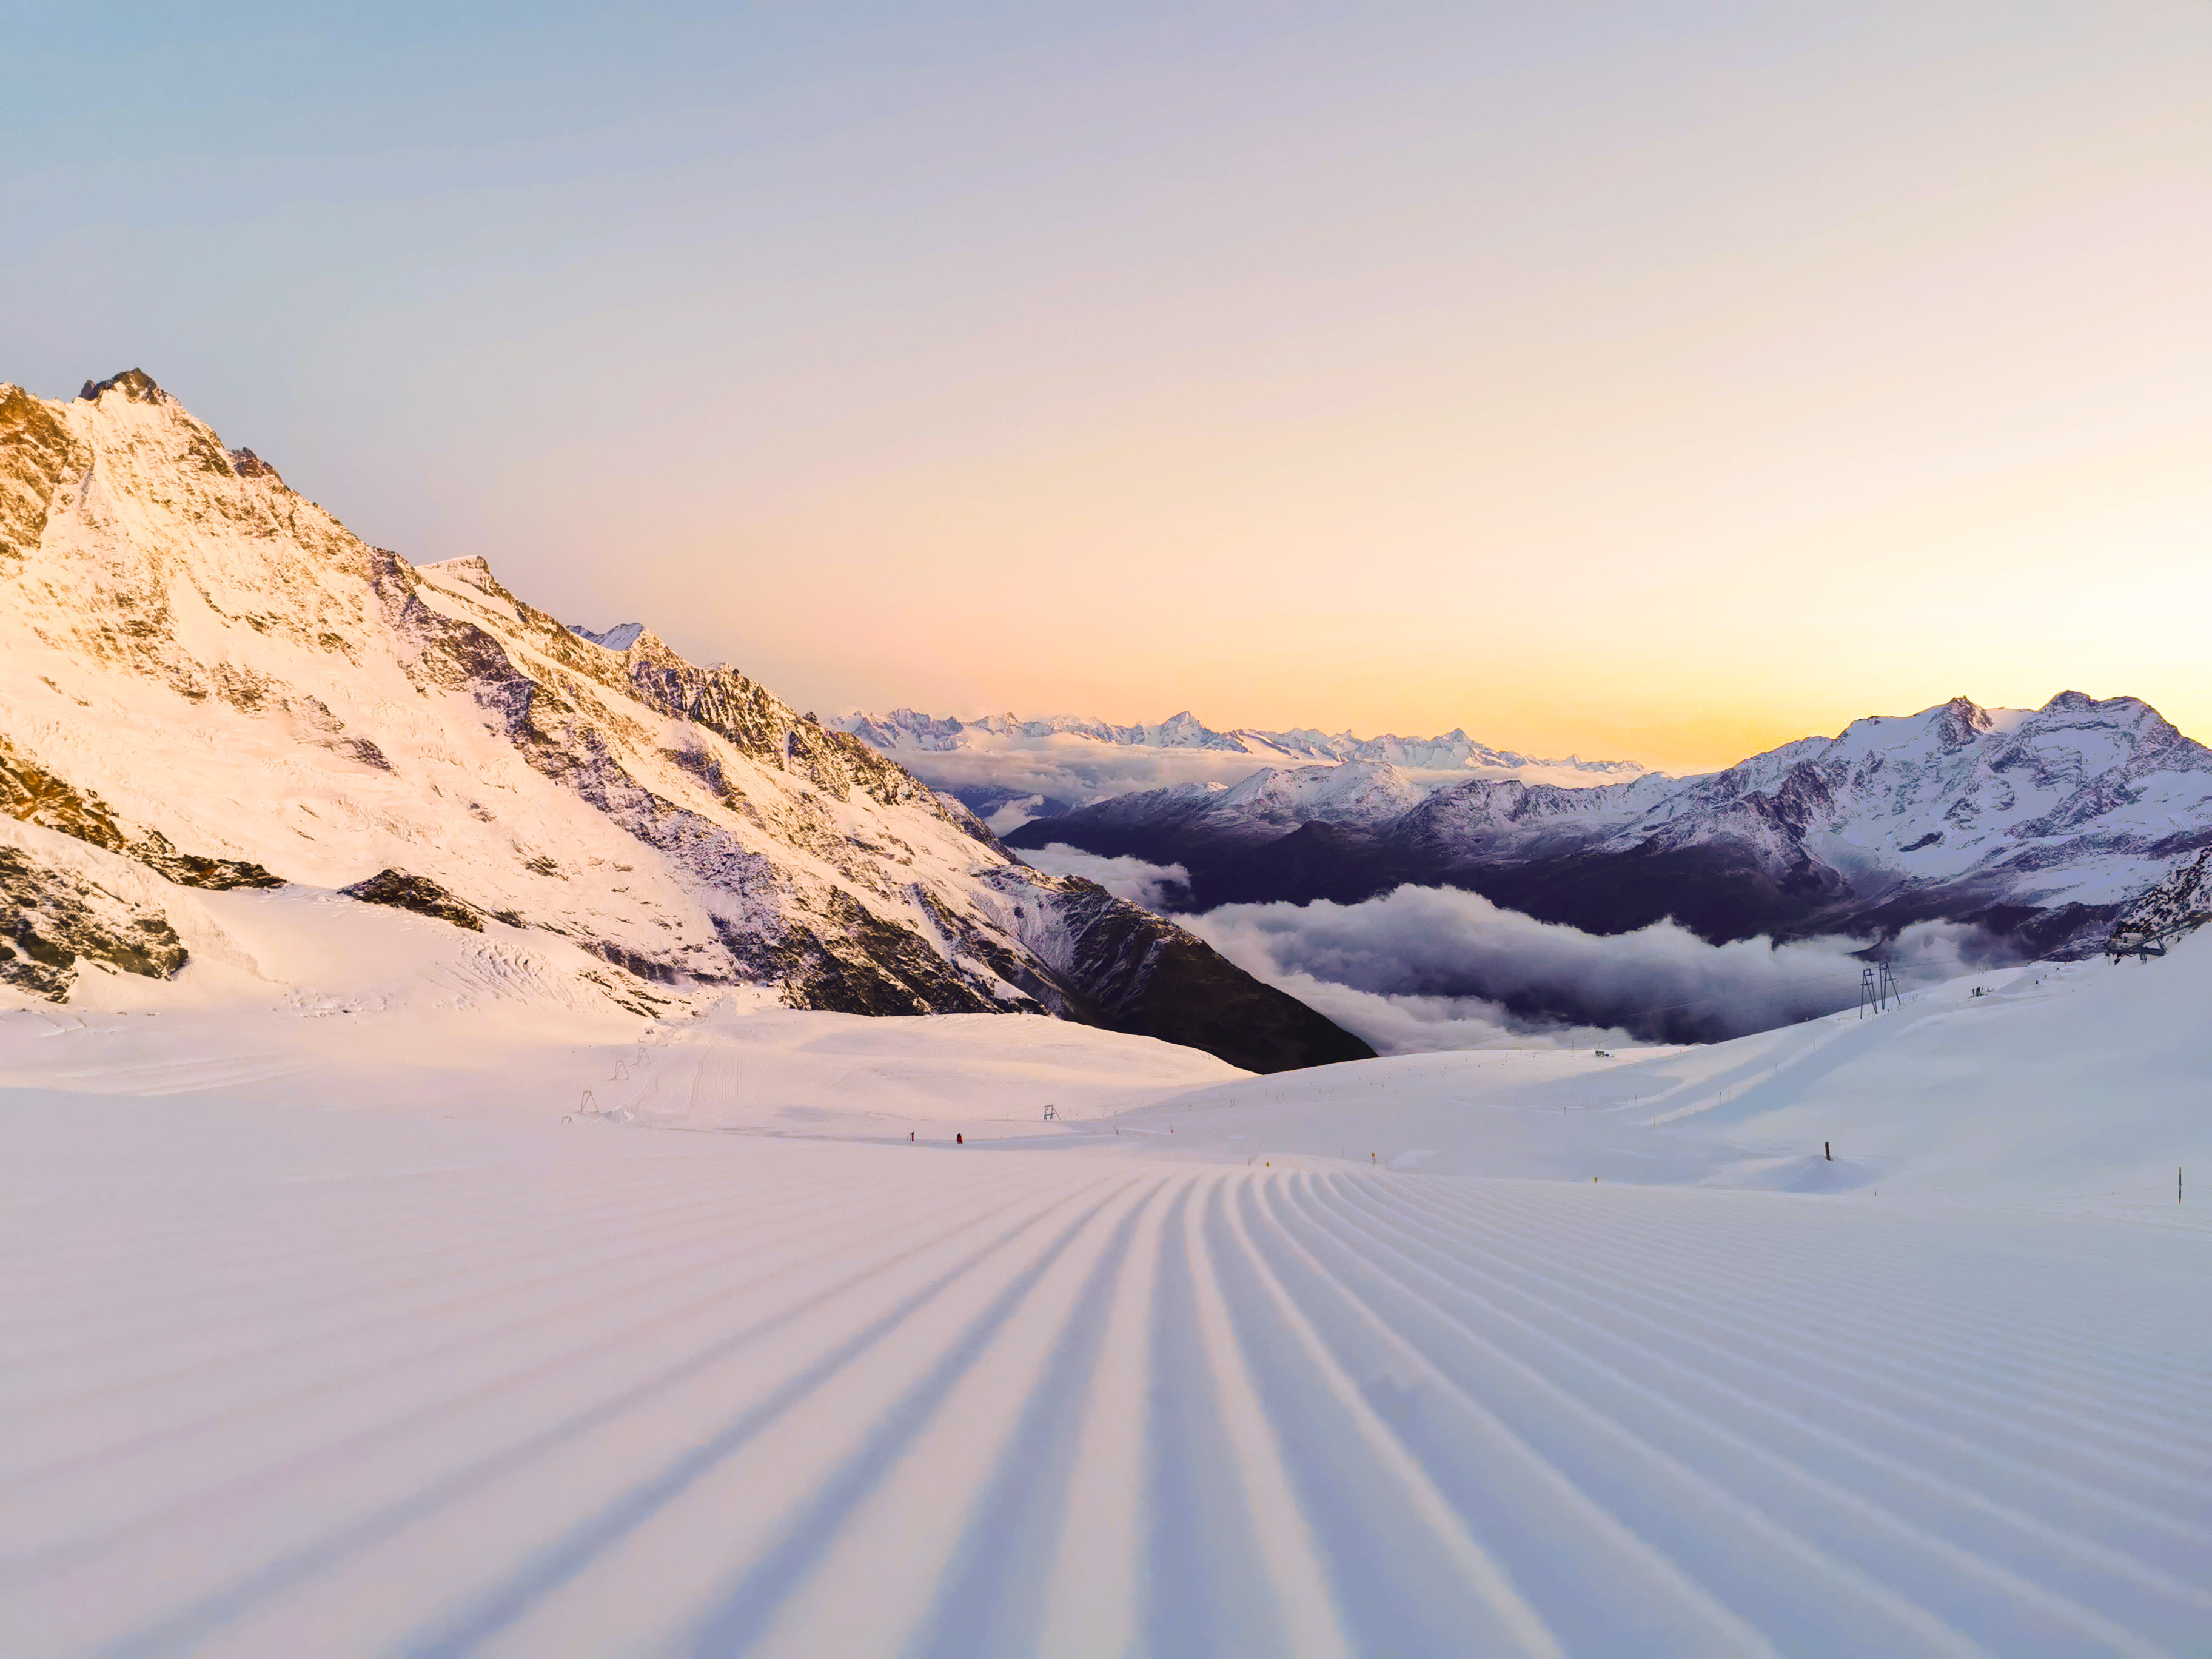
2039 825
210 684
902 728
1010 770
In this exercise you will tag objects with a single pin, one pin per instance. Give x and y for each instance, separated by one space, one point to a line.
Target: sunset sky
1664 381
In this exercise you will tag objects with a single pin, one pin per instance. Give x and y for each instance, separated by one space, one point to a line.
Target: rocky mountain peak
620 637
136 384
1961 721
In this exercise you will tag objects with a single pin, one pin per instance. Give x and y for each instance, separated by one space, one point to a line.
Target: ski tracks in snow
702 1395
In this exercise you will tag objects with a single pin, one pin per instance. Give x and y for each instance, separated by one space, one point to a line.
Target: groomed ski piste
447 1309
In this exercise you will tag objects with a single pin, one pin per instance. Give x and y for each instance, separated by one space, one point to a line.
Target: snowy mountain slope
1011 770
2076 1086
2040 824
385 1007
210 674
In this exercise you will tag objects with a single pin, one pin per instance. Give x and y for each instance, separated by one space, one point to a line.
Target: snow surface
335 1325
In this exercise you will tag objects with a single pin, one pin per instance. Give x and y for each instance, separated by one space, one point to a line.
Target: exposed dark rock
627 992
36 456
34 795
135 384
761 725
416 893
366 753
958 812
2177 906
855 962
53 919
1143 975
630 962
191 870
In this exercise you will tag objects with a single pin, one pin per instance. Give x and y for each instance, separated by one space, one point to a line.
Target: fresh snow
335 1323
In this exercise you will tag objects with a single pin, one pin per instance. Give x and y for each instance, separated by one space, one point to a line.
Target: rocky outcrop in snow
54 921
2174 908
209 675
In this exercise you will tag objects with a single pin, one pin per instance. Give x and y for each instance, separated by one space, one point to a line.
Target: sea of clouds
1155 886
1425 969
1074 773
1067 773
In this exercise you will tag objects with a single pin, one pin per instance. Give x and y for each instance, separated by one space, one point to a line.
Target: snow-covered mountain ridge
210 678
904 729
1011 770
2042 824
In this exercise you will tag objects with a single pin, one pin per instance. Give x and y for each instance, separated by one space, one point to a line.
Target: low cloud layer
1428 967
1075 773
1148 884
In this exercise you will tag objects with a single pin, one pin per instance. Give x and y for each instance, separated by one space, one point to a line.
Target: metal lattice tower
1878 988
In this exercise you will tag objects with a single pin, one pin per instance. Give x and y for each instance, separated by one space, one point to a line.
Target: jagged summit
135 384
209 680
620 637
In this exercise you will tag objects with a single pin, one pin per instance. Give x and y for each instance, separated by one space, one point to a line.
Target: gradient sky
1657 380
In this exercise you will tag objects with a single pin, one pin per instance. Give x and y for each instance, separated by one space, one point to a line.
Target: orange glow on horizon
1653 383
